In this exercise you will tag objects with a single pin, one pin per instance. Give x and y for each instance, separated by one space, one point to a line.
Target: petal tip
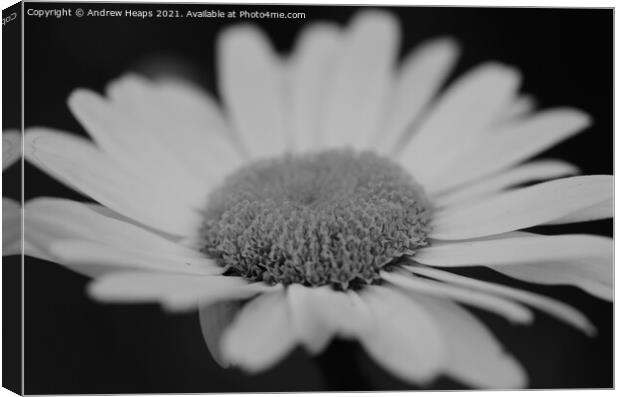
573 118
583 119
447 44
80 98
243 34
129 79
374 16
375 22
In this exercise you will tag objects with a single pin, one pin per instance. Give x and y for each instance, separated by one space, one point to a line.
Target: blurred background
73 345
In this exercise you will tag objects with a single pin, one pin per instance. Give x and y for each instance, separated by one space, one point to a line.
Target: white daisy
11 209
329 196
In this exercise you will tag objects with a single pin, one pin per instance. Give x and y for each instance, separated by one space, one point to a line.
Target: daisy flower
329 195
11 209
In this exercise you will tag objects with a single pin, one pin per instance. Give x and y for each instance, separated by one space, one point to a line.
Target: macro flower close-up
333 192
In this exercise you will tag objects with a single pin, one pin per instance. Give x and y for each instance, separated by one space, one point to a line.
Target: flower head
329 195
333 218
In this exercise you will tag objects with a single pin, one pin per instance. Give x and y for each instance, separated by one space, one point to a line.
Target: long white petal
261 334
318 314
548 305
143 98
135 146
522 208
250 74
359 88
458 119
215 318
578 273
534 171
78 163
512 311
11 147
474 356
175 292
94 259
313 65
585 261
186 120
403 337
527 248
500 148
421 74
11 227
602 210
53 219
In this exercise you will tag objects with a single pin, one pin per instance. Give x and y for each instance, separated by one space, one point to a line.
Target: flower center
331 218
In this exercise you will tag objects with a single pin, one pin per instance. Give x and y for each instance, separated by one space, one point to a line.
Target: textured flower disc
331 218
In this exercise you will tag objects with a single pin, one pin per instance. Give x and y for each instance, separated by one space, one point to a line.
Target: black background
73 345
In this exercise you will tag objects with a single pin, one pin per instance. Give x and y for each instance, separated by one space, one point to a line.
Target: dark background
73 345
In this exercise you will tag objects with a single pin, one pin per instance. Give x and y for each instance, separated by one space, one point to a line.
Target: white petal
582 260
175 292
403 337
92 243
261 334
512 311
32 251
79 164
306 307
474 356
143 98
11 147
576 272
420 76
520 107
533 171
458 119
358 92
526 248
135 146
51 220
522 208
318 314
94 259
602 210
110 213
11 227
313 64
250 74
548 305
187 121
500 148
215 318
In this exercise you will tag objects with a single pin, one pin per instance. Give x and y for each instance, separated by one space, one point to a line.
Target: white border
538 3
